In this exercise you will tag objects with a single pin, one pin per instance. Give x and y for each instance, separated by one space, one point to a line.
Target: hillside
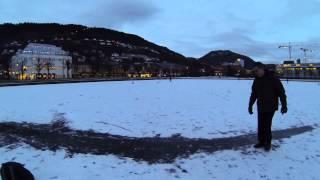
92 45
217 58
104 49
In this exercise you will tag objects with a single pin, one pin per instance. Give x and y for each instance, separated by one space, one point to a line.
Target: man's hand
284 109
250 110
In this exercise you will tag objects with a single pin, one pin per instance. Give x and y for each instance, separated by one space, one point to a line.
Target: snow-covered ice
193 108
297 158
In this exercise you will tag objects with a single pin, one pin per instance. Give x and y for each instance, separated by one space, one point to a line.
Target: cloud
241 42
119 12
102 13
193 27
258 29
302 9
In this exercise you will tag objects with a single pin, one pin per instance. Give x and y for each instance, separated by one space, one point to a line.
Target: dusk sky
191 27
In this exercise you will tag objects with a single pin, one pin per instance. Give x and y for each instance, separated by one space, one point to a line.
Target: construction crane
289 46
305 50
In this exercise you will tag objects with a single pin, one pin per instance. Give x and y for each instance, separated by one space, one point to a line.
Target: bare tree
48 66
64 68
39 65
68 64
22 67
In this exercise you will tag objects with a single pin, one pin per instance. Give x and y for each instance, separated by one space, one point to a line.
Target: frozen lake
194 108
191 107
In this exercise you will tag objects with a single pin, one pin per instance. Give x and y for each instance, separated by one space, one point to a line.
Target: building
238 63
132 57
289 69
41 61
233 68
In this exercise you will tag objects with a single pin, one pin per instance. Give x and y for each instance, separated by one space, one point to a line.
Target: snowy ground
193 108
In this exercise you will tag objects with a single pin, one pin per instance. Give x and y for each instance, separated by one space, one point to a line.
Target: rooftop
43 49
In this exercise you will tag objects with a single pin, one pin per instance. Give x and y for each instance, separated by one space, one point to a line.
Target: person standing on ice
266 89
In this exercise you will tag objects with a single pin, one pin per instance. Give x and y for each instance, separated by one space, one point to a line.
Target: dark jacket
267 90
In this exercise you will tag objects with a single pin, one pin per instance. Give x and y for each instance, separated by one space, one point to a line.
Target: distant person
266 89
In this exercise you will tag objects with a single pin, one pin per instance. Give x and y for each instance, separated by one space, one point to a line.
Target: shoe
259 145
267 147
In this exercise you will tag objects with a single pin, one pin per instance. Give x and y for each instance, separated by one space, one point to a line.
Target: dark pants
264 127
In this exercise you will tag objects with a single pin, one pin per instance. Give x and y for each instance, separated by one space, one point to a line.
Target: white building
41 61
